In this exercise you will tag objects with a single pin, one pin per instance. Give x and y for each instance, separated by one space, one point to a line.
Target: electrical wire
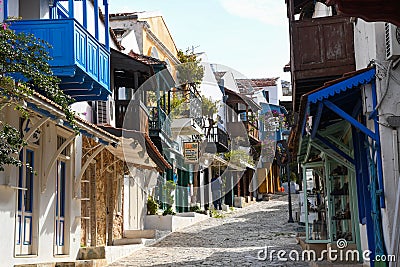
386 84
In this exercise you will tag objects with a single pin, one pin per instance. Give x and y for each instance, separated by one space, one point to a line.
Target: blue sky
250 36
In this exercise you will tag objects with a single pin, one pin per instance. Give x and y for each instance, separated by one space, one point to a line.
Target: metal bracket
54 159
84 167
35 127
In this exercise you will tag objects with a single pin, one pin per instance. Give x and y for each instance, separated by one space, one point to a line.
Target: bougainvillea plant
24 67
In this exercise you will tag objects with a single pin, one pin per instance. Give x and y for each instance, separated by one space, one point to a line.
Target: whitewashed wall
44 203
369 45
130 43
136 202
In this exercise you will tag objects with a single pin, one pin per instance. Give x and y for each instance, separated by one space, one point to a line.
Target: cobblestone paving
235 240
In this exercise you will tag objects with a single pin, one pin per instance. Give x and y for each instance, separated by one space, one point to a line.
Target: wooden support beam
85 166
350 119
110 204
54 159
93 210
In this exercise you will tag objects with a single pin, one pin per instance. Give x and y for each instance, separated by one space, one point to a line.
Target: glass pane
62 189
316 205
341 202
27 230
29 181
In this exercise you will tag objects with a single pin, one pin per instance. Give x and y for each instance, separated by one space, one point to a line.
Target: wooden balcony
252 131
82 62
159 122
134 116
240 129
322 47
217 139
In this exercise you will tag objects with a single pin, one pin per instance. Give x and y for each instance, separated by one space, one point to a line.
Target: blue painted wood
61 12
96 19
350 119
84 7
363 181
5 9
334 148
106 25
337 88
378 148
71 8
303 125
358 168
75 52
53 117
317 120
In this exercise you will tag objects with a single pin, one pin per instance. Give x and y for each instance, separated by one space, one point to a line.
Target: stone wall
103 175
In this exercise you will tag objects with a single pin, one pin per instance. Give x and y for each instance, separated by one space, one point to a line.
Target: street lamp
283 159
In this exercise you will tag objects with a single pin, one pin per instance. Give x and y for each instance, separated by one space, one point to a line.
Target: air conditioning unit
101 112
392 41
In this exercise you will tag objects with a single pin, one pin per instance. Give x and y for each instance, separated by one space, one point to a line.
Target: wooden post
85 14
96 19
93 201
250 185
110 204
238 184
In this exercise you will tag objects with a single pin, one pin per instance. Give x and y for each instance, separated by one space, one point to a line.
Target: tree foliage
24 67
239 157
189 71
209 107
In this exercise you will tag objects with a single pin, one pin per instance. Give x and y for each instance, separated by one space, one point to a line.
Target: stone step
149 234
91 253
46 264
65 264
77 263
91 263
127 241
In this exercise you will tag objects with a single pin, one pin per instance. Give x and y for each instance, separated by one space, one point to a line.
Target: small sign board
191 152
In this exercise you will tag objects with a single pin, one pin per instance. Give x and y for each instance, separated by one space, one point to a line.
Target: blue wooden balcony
79 59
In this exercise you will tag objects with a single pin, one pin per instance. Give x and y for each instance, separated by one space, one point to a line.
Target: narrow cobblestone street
234 240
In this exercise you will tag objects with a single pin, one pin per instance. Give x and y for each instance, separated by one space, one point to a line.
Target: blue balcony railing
82 62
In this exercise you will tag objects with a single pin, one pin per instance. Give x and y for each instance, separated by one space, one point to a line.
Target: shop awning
328 109
343 92
137 148
348 82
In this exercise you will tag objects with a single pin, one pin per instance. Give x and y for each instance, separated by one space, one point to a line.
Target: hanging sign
191 152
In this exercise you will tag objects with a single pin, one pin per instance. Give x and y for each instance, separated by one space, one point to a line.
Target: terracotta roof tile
262 82
124 14
146 59
77 118
157 156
